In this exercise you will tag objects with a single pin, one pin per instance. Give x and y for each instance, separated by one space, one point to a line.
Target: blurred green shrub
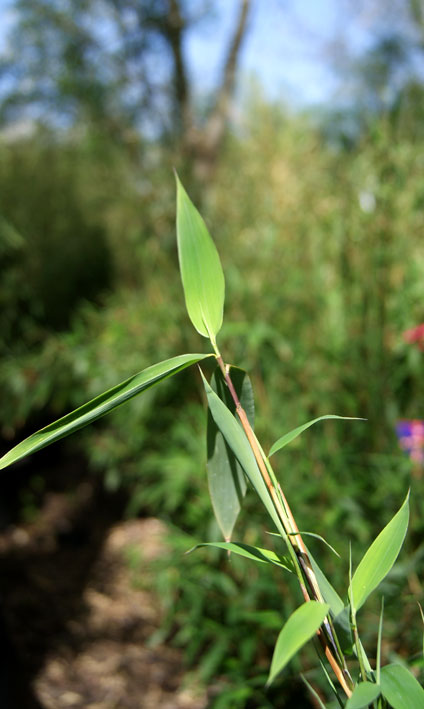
54 254
323 259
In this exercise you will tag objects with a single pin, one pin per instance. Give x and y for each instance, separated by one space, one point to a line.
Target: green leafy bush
235 455
56 253
319 292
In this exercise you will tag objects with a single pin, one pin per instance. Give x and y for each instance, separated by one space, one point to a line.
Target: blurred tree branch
120 67
205 144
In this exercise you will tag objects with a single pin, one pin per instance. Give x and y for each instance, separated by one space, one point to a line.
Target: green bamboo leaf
299 628
379 558
340 613
315 694
363 694
264 556
291 435
330 681
365 660
342 626
400 688
239 444
329 593
316 536
101 405
227 482
201 271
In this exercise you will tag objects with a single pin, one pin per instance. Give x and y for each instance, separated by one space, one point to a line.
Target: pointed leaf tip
200 267
291 435
100 406
380 557
251 552
299 628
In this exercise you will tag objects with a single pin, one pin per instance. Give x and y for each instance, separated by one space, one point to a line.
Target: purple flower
411 438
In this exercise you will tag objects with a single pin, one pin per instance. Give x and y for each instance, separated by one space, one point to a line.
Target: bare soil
74 629
109 662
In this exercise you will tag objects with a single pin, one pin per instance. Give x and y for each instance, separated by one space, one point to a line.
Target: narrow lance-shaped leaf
201 271
227 483
329 680
101 405
400 688
316 536
291 435
365 660
299 628
379 558
237 440
250 552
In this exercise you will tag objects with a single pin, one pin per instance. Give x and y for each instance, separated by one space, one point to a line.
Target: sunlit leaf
101 405
201 271
265 556
239 444
227 482
400 688
380 557
299 628
291 435
363 694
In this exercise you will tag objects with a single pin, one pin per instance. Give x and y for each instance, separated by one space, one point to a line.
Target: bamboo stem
294 538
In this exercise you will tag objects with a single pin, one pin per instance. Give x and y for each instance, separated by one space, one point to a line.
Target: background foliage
320 234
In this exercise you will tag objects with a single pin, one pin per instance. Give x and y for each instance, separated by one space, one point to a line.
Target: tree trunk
201 144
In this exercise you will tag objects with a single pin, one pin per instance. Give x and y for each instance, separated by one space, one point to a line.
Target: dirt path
74 630
108 663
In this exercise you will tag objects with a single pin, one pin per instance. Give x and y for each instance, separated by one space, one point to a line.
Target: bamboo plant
237 459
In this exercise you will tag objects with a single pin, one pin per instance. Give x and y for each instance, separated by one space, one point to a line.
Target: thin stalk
295 544
380 633
358 645
353 625
305 563
331 683
254 444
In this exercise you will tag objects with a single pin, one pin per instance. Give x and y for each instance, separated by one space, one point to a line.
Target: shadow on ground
45 566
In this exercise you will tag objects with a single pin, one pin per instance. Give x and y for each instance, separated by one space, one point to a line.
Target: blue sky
272 51
290 44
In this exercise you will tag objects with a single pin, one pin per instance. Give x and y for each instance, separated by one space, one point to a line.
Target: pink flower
415 335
